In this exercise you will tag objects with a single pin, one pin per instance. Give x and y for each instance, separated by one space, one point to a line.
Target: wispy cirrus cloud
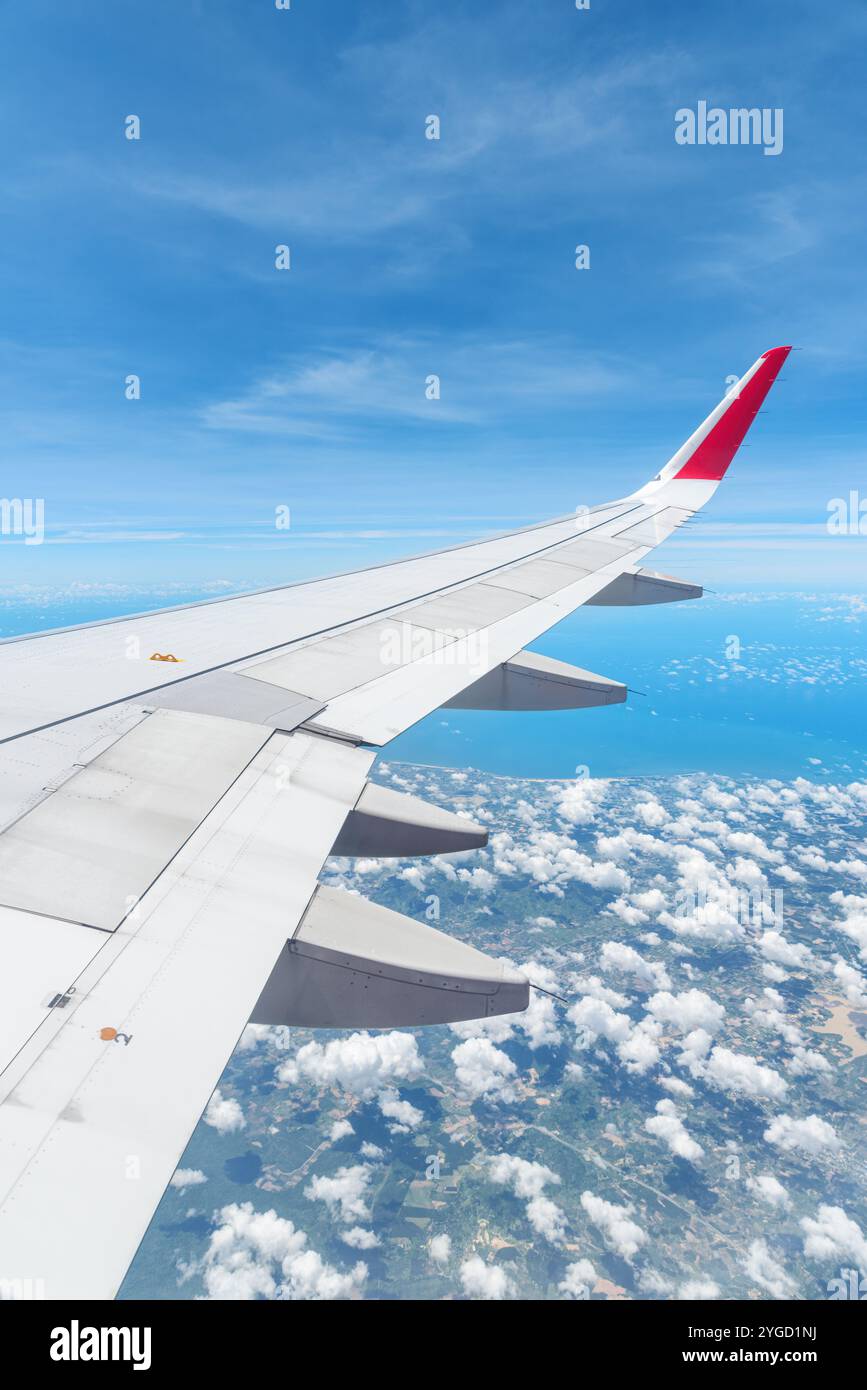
478 380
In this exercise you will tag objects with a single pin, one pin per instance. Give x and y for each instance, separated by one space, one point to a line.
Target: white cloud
652 813
499 1028
483 1070
768 1012
697 1291
740 1074
596 1019
693 1008
361 1064
650 900
579 801
857 868
668 1126
538 1022
747 842
578 1280
528 1181
340 1130
712 922
640 1051
261 1255
806 1060
788 874
525 1177
694 1049
547 1219
651 1281
552 861
619 1232
344 1194
478 877
747 871
627 912
832 1235
770 1190
360 1238
253 1034
774 973
628 843
224 1114
485 1281
852 983
767 1272
626 960
774 947
404 1115
677 1087
637 1044
440 1249
182 1178
812 1135
854 923
593 986
722 800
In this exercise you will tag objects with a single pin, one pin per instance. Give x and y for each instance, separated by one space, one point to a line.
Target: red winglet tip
713 455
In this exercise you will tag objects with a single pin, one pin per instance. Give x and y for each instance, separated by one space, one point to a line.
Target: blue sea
744 685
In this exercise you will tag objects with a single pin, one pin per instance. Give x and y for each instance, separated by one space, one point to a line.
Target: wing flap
354 964
395 825
336 664
533 682
639 587
469 609
539 578
89 851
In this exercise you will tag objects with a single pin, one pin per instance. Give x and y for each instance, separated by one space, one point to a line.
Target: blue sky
411 257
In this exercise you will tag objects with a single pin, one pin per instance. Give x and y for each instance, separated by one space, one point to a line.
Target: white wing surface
172 785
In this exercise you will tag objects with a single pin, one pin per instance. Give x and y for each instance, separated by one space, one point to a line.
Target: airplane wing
172 785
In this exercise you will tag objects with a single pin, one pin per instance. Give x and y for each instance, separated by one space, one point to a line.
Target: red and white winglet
706 455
